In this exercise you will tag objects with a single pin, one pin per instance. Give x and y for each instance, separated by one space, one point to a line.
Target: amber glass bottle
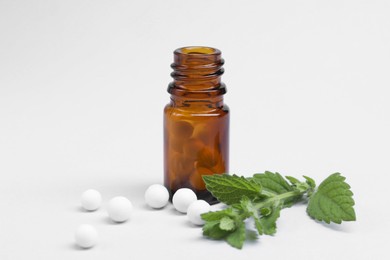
196 121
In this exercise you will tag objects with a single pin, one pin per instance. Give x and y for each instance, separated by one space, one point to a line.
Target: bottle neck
196 76
201 104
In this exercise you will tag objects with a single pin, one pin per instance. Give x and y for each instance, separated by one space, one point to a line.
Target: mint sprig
263 196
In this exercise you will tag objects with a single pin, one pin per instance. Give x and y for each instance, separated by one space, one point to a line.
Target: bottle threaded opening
197 57
198 50
197 71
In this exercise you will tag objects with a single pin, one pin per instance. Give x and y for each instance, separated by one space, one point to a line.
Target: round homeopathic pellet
195 209
119 209
86 236
156 196
182 199
91 199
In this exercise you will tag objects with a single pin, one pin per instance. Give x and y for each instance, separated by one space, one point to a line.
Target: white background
82 89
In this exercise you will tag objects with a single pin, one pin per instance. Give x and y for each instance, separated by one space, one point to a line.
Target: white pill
156 196
119 209
182 199
86 236
197 208
91 199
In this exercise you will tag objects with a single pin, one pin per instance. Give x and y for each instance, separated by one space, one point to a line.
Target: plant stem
280 197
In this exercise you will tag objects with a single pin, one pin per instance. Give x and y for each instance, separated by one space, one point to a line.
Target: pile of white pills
120 209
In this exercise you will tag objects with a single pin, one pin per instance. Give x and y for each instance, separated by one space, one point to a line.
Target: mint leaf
230 189
227 224
218 223
218 215
332 202
268 223
312 185
292 180
251 235
265 218
310 181
273 183
265 211
259 226
212 230
248 207
237 238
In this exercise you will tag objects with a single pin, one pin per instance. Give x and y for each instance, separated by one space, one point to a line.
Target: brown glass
196 121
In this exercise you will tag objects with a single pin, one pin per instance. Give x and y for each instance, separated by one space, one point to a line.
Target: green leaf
227 224
265 211
230 189
268 223
265 224
307 186
332 202
237 238
218 215
212 230
251 235
259 226
312 185
310 181
249 209
292 180
274 184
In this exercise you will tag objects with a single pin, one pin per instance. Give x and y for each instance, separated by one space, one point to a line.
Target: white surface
82 89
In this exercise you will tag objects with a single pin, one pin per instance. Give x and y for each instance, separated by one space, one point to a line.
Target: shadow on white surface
83 210
189 224
75 247
174 212
336 227
107 220
144 206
